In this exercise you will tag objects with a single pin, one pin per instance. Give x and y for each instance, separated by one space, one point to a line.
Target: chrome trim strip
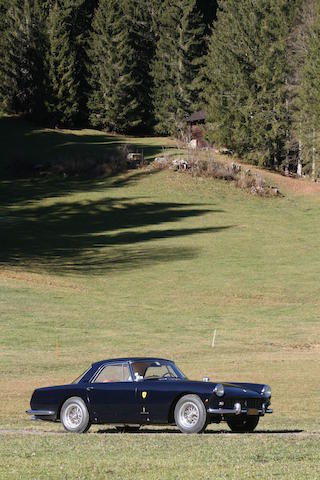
40 412
221 411
233 411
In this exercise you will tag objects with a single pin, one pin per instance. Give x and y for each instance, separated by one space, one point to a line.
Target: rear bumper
41 414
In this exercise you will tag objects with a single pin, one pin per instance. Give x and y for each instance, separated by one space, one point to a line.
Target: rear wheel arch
243 423
74 415
70 395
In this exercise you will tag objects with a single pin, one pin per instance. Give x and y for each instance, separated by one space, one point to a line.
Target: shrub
230 172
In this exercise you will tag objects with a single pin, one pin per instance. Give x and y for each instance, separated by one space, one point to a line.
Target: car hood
232 389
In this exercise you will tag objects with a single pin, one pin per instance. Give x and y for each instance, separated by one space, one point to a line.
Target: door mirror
206 379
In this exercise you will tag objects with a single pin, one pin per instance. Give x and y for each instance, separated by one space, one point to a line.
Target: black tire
128 428
243 423
74 415
190 414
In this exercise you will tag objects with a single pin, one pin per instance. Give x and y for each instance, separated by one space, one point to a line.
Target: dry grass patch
42 281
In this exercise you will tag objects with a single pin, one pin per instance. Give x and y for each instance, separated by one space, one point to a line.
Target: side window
114 373
155 372
160 371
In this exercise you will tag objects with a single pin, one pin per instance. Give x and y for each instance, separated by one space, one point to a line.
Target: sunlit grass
150 457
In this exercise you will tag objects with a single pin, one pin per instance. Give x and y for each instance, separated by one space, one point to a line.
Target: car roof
131 359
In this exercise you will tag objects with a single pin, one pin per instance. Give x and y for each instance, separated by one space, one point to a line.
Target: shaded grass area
24 146
92 234
154 457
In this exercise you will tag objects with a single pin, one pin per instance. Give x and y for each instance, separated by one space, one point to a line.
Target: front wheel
190 414
74 415
243 423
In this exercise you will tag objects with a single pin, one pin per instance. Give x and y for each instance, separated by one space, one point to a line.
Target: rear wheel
243 423
190 414
74 415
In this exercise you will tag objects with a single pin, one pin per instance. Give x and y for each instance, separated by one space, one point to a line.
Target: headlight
266 391
219 390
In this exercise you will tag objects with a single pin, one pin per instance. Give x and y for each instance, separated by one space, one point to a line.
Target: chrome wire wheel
73 416
189 414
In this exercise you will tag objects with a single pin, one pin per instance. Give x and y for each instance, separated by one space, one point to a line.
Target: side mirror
138 377
206 379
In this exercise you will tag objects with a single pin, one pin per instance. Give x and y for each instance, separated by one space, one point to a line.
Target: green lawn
150 264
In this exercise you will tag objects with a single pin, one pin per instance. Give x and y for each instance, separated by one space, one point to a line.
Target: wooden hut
195 122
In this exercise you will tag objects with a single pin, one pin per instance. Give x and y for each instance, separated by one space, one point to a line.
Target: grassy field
148 263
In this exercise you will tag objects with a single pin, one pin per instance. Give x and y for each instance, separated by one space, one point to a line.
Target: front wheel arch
173 406
190 414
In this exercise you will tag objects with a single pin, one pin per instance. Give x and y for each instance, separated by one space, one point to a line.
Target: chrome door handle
89 388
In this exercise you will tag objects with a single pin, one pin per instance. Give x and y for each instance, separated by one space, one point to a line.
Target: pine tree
21 67
273 74
230 89
246 72
69 27
142 36
120 53
307 101
209 11
177 64
4 4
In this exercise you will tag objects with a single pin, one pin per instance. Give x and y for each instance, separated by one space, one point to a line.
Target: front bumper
238 410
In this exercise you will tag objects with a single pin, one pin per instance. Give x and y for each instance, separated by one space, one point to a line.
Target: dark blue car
130 392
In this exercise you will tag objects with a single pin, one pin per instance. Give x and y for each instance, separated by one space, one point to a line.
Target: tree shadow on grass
26 191
23 146
95 236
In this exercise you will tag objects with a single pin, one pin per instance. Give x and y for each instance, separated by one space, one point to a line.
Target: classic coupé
130 392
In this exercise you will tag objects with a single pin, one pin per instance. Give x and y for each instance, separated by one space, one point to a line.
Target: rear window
114 373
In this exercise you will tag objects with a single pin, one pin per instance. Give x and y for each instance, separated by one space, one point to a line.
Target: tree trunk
299 166
286 166
313 172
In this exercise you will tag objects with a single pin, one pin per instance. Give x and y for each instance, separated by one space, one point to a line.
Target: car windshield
155 370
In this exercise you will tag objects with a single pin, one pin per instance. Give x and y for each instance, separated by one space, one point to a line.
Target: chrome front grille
244 402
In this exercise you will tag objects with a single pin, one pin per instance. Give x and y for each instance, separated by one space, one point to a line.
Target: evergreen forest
143 66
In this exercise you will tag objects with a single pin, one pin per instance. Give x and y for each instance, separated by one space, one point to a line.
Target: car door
154 399
112 395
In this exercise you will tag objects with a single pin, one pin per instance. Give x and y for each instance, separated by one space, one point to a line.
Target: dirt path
300 186
295 185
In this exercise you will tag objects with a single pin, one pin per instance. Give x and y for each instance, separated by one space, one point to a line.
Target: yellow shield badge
144 394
